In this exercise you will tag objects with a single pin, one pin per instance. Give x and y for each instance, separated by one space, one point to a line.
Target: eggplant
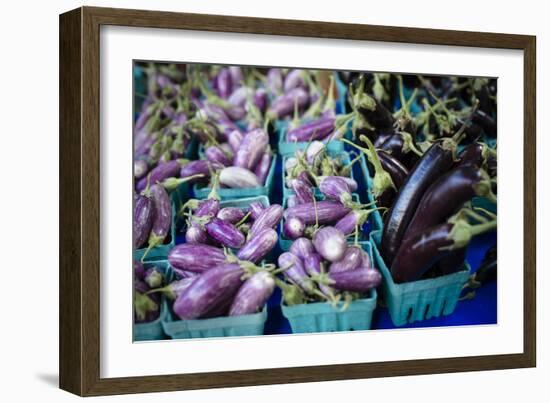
283 105
314 130
162 220
488 124
175 288
326 212
224 233
236 177
475 153
239 96
196 234
302 247
453 262
140 168
257 247
255 209
294 79
144 214
207 207
293 228
305 177
330 243
401 146
139 270
353 257
447 194
336 188
260 99
262 168
237 77
302 190
294 270
292 201
253 294
153 277
275 81
210 289
436 161
199 167
422 250
158 174
215 154
268 218
352 221
313 267
358 280
224 83
231 214
251 149
196 258
234 139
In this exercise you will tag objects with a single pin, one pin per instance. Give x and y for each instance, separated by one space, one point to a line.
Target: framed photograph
281 188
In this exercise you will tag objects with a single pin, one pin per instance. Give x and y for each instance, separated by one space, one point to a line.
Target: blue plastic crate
201 192
154 330
422 299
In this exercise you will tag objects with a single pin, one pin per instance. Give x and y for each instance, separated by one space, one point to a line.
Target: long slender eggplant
251 149
224 233
255 209
162 220
253 294
144 214
352 259
160 173
257 247
323 212
302 247
283 105
303 191
262 168
294 270
231 214
446 195
237 177
359 280
268 218
196 258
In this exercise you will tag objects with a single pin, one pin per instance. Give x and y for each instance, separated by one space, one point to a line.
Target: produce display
281 200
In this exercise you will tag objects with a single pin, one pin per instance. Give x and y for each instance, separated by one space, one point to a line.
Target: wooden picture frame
80 187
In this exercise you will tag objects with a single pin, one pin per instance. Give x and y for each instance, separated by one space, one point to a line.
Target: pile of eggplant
418 173
146 301
326 269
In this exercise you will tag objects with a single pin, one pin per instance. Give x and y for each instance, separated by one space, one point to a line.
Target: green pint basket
422 299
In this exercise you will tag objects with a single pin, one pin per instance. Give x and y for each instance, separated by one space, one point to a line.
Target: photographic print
277 200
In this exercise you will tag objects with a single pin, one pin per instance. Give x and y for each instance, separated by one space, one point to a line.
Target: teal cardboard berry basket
154 330
290 147
344 157
323 317
201 192
422 299
224 326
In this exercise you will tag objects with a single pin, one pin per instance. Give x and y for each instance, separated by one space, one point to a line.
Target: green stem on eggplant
408 144
143 304
330 103
215 184
170 184
243 220
462 232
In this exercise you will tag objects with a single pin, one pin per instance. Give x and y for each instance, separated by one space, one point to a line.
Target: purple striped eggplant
183 273
240 95
283 105
153 277
175 288
302 247
353 257
275 81
231 214
294 79
260 99
196 234
358 280
255 209
224 233
330 243
237 77
257 247
195 258
216 154
144 214
326 211
262 168
314 130
210 289
234 139
238 178
292 201
253 294
161 172
314 150
199 167
268 218
162 221
336 188
351 221
293 228
305 177
294 270
207 207
251 149
139 270
313 267
224 83
303 192
140 168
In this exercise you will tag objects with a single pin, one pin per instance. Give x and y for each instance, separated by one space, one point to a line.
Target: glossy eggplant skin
394 167
444 197
327 212
472 154
419 252
381 118
144 214
394 146
453 262
436 161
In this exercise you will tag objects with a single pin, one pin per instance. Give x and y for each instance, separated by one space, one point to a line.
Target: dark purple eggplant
302 247
196 258
294 270
268 218
231 214
352 259
436 161
158 174
453 262
257 247
358 280
208 290
303 191
488 124
475 153
422 250
262 168
144 215
253 294
323 212
293 228
446 195
330 243
224 233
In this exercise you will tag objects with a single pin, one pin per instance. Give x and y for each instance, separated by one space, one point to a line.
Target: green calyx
143 304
